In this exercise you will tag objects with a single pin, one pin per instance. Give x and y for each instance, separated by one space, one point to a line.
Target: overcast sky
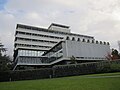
98 18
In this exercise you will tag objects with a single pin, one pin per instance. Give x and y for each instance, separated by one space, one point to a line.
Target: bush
5 76
115 67
25 74
31 74
86 68
74 69
62 70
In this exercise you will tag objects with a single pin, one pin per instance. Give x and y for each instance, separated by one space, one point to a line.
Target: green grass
67 83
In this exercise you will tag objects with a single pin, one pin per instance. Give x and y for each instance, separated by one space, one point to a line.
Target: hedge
86 68
62 70
26 74
5 76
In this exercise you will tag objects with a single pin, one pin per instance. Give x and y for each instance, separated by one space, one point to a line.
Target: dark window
83 40
96 42
78 39
73 39
92 41
88 40
67 38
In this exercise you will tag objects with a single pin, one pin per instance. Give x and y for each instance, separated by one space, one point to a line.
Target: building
31 44
83 51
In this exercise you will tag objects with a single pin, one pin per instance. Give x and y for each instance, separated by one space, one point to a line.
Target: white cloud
99 18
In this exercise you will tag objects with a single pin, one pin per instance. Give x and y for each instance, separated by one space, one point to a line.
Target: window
83 40
104 43
97 42
30 53
88 41
67 38
92 41
100 42
78 39
73 39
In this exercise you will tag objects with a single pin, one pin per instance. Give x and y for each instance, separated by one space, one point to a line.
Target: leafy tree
2 49
115 54
73 60
5 62
109 56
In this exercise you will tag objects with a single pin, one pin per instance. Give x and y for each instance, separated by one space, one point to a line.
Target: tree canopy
114 55
5 62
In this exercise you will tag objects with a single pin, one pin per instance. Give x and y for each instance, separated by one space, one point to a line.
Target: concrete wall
56 28
86 50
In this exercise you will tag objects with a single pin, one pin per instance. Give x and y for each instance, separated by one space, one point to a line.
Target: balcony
37 37
35 43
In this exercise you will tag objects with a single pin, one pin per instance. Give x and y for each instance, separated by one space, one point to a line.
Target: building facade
81 50
32 42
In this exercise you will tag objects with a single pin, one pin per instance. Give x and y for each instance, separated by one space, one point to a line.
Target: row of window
38 60
33 34
88 41
90 58
40 29
54 56
51 31
34 40
30 53
27 45
67 38
54 50
30 60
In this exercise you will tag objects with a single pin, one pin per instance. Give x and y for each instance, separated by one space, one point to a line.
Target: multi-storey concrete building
32 42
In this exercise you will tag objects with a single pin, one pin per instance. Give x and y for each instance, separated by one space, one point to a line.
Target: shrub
4 76
115 67
62 70
31 74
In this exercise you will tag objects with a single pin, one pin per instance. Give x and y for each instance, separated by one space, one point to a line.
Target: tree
109 56
5 62
73 60
2 49
115 54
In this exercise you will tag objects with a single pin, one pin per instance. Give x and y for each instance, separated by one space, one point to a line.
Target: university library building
36 47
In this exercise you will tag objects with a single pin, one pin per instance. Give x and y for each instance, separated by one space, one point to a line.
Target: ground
108 81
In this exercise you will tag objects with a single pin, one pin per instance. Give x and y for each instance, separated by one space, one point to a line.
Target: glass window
35 53
23 52
30 53
20 52
27 53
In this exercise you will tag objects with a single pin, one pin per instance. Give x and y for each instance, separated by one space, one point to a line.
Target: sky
98 18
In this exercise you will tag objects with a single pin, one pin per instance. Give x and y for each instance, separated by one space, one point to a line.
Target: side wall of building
84 50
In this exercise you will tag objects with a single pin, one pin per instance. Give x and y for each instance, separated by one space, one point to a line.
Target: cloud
99 18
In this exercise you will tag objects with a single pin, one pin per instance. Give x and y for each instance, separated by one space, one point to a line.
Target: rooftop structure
58 27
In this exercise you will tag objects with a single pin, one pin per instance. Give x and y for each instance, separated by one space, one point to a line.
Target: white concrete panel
83 49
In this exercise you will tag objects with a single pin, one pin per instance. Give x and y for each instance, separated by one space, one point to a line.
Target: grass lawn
84 82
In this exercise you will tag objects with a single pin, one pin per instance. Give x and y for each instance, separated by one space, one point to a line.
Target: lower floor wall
62 62
62 70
